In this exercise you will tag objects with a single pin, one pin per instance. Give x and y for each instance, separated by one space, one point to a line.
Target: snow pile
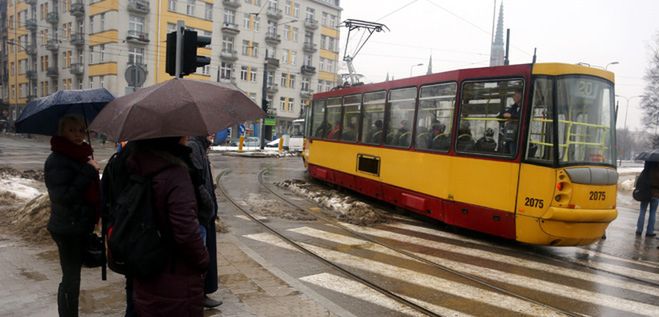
253 151
274 208
31 219
25 210
349 210
626 185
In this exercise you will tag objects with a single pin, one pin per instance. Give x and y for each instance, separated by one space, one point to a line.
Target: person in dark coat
71 176
207 204
649 179
179 289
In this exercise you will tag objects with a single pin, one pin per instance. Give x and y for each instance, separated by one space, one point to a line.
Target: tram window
585 120
401 116
318 122
373 119
435 118
334 119
540 144
351 117
489 118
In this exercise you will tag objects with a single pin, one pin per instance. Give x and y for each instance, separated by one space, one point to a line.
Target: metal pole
180 26
264 92
507 60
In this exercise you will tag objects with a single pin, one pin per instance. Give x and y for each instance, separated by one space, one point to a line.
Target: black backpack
642 189
135 244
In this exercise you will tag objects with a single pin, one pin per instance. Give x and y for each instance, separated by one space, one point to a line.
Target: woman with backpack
71 176
647 192
177 288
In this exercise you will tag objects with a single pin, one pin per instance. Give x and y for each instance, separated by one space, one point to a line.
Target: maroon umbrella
178 107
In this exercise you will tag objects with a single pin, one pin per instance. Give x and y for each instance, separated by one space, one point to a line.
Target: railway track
372 284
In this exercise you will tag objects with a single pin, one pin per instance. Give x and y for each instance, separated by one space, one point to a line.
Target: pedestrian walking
207 204
647 192
71 176
178 289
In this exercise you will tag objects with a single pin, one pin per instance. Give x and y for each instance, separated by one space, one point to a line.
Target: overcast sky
458 34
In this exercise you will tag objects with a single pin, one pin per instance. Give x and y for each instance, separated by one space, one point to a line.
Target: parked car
250 141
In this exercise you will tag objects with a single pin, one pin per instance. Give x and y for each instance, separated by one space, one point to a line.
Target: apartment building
49 45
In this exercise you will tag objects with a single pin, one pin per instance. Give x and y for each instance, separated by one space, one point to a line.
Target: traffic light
264 105
189 59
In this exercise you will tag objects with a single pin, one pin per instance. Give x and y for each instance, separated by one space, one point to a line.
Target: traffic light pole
264 100
180 27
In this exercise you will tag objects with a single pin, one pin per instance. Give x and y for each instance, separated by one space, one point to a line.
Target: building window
136 55
245 48
282 103
243 72
227 44
101 81
102 22
136 23
172 5
293 58
311 14
209 11
325 19
91 24
252 74
255 49
225 70
189 7
91 54
246 21
291 81
101 53
206 70
304 85
284 80
270 78
229 16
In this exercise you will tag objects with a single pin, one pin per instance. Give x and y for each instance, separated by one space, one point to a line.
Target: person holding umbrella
648 185
71 176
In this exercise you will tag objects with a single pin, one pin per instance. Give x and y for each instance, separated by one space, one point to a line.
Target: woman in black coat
71 176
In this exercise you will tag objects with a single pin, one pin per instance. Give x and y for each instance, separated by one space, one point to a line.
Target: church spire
429 66
497 49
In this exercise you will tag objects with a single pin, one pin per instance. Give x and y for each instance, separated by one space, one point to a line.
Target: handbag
642 190
94 252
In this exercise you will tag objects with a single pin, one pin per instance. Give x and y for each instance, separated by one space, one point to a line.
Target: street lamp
611 63
412 67
627 99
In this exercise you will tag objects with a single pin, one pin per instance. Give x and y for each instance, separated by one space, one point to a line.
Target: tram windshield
584 108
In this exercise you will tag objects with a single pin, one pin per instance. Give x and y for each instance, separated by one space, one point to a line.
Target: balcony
308 70
230 28
77 69
138 6
77 39
272 89
274 14
310 24
31 49
234 4
309 47
52 18
272 62
77 9
137 37
31 74
31 24
52 45
306 94
229 55
272 38
52 72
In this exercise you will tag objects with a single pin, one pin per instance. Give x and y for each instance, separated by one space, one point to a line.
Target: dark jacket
178 290
67 180
207 202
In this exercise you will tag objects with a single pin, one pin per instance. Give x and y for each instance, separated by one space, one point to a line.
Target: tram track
332 221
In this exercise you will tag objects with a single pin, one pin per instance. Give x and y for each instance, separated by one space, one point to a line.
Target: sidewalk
29 275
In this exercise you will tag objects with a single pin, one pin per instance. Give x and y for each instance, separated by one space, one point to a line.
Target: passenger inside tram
376 136
487 143
465 140
440 141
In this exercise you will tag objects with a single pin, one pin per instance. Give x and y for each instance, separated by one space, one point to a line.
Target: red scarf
79 153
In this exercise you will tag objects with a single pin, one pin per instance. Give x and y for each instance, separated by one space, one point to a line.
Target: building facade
49 45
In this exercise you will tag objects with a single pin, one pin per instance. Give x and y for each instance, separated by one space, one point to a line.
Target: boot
67 302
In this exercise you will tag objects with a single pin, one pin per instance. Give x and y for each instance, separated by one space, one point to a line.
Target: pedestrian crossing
551 282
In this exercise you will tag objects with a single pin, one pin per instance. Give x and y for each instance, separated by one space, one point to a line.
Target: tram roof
520 70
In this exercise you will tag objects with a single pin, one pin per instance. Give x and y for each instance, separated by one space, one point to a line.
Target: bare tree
650 96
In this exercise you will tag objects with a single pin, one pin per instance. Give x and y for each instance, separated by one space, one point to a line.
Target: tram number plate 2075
597 195
534 202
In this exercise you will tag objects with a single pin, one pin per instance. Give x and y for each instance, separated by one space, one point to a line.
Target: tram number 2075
534 202
597 195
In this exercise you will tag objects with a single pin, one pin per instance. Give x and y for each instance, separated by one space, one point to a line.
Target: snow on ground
253 151
348 209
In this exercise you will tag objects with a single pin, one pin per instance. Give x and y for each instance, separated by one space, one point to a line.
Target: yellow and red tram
524 152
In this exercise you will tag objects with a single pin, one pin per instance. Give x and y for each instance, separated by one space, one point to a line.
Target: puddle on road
35 276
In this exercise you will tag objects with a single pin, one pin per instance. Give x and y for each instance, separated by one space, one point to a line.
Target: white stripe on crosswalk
362 292
626 271
505 259
272 239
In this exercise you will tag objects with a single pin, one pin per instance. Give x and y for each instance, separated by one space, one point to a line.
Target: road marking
272 239
506 259
338 238
625 271
362 292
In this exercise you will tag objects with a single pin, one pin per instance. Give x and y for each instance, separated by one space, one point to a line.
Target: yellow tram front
567 181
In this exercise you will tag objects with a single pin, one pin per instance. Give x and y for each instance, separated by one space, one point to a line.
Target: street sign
270 121
135 75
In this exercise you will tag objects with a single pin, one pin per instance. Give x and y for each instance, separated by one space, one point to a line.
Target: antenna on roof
352 25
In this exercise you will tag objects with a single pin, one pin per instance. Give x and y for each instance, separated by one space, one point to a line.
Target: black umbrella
41 116
650 156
